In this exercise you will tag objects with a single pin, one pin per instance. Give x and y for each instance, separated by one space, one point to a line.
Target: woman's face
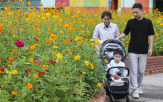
106 20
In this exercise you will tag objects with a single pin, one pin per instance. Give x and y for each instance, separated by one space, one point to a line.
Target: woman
105 30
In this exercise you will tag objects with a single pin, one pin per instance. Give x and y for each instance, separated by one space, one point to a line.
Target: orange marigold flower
78 43
45 67
29 3
13 51
1 29
8 8
10 58
106 60
30 86
68 40
53 37
35 76
14 93
37 29
41 4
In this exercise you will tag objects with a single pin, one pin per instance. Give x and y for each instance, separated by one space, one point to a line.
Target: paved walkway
152 88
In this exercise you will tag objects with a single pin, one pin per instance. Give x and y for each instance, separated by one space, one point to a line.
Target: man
140 28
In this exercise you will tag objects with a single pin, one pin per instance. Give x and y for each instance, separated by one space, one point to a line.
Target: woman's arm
96 35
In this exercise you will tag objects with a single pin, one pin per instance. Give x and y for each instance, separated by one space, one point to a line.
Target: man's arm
151 45
121 36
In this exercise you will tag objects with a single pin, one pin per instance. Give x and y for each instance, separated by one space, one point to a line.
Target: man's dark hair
118 51
137 5
106 13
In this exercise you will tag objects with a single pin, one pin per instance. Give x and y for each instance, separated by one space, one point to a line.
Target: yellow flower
30 86
47 14
108 53
59 55
30 53
80 90
108 38
84 72
14 93
45 67
86 62
92 66
53 53
54 46
32 47
43 18
99 85
93 45
31 60
98 43
9 65
35 76
77 57
20 0
15 72
8 72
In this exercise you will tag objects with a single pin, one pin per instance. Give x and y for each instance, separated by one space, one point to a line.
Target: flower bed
48 55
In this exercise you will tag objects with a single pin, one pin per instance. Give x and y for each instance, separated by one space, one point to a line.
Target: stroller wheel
127 99
111 98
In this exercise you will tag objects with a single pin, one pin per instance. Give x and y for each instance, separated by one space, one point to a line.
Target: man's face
106 20
117 58
137 13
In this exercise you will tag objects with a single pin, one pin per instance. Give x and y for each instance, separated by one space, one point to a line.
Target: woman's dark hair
106 13
118 51
138 5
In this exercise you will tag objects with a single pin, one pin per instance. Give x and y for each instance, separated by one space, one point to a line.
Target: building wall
121 5
126 5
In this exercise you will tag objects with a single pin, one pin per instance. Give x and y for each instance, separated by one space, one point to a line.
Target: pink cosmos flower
19 43
6 66
36 61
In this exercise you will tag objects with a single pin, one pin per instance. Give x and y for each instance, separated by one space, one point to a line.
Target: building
120 5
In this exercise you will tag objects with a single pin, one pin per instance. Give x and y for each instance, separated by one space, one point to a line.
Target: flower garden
49 55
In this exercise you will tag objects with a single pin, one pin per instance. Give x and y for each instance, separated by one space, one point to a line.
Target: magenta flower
36 61
27 39
6 66
19 43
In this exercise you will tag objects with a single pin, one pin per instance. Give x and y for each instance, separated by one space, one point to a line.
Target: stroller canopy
108 48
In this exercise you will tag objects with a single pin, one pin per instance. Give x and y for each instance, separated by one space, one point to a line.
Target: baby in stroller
117 73
116 84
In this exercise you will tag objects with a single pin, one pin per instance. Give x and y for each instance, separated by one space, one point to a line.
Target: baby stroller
114 92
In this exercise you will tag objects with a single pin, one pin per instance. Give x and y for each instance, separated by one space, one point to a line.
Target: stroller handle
119 67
